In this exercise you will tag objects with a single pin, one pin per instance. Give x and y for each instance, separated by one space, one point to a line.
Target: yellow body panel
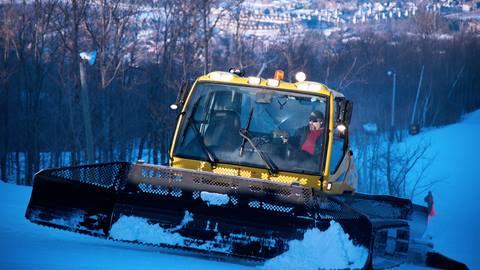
249 172
329 146
345 178
313 181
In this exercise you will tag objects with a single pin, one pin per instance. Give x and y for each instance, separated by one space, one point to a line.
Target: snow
133 229
214 198
456 225
138 229
309 253
455 228
325 250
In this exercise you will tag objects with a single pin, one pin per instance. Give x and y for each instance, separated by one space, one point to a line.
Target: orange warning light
279 75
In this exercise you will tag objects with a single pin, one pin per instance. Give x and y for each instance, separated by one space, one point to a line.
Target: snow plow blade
204 213
79 199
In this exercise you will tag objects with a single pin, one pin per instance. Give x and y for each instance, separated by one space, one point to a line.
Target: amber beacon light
279 75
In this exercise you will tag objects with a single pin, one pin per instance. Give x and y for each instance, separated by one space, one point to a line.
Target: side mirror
182 95
345 112
345 108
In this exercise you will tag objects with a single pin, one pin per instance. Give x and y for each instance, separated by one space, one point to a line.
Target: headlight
254 80
341 128
273 82
329 186
309 86
300 76
220 76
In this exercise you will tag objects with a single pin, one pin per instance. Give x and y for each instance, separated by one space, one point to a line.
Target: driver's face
314 124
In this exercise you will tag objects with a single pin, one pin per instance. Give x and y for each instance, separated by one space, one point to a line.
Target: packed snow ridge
132 228
214 198
330 249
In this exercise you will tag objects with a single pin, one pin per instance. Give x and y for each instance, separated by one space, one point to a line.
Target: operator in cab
309 138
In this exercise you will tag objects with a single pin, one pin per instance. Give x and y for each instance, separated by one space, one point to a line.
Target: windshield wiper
272 168
211 157
242 146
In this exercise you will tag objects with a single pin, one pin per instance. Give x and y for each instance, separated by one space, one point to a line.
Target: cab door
343 174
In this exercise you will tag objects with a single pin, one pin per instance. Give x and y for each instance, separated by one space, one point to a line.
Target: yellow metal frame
313 181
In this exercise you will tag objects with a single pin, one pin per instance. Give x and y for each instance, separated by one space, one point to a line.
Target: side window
196 118
338 142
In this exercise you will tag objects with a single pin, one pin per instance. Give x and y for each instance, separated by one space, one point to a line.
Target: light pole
415 127
87 58
394 90
392 125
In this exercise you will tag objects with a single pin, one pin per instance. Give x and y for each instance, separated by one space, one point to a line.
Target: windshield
256 127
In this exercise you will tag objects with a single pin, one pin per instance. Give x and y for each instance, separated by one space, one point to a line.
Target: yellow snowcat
246 176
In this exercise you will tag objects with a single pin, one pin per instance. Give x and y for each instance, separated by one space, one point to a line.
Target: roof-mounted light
309 86
279 75
237 71
273 82
221 76
300 76
254 80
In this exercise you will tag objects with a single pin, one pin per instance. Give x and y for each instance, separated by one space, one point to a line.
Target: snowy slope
456 225
455 228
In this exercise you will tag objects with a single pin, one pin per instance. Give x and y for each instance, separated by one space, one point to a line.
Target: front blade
199 212
77 199
224 215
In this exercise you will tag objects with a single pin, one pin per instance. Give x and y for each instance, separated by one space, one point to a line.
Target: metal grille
254 204
211 181
277 208
108 175
307 195
160 175
258 194
160 190
176 192
153 189
270 190
190 180
270 207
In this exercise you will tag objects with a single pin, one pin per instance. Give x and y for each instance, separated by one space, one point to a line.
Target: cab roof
305 87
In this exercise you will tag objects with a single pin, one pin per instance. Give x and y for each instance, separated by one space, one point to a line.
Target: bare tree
406 162
7 70
68 28
209 21
108 25
29 43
